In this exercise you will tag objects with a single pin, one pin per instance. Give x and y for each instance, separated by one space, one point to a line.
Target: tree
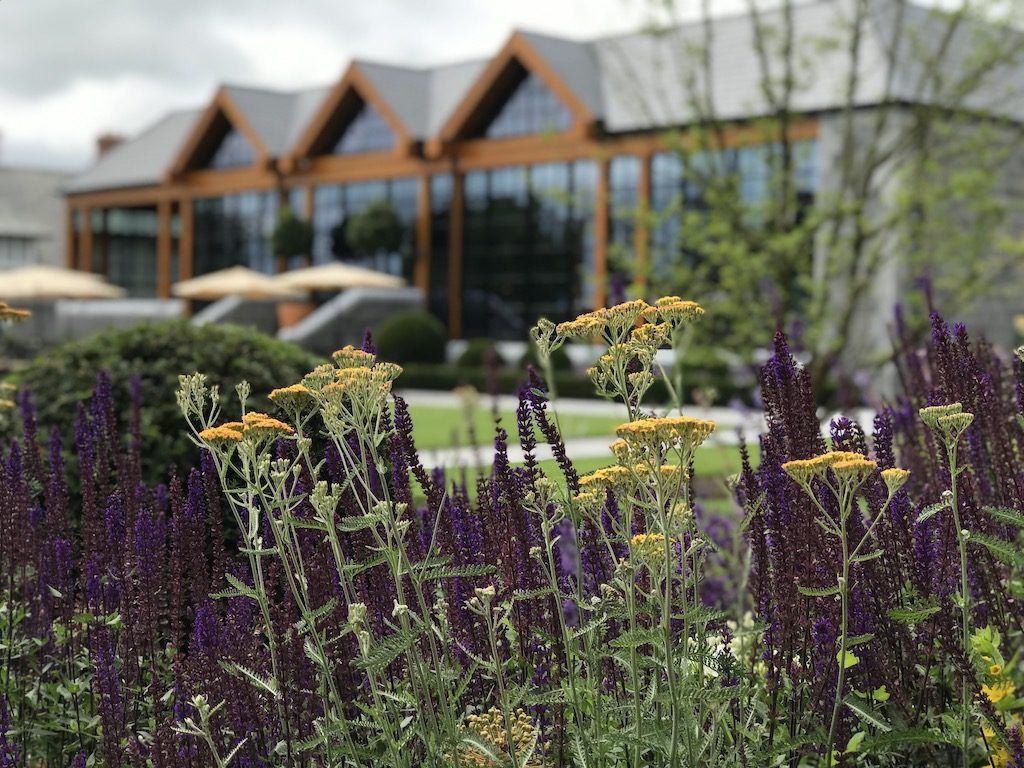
292 236
920 134
375 231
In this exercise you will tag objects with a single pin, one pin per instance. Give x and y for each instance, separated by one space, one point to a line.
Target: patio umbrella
337 277
42 281
233 281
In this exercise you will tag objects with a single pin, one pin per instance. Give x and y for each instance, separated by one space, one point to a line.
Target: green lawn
710 461
440 427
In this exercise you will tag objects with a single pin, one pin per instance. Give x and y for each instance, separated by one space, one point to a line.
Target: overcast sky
71 69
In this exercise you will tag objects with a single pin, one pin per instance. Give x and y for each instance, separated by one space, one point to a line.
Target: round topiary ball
479 353
411 337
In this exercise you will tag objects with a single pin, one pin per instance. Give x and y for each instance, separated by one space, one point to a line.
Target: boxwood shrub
158 353
411 337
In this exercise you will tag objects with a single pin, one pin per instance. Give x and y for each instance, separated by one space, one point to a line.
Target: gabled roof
575 63
357 86
141 161
560 59
414 102
448 85
276 116
622 83
406 91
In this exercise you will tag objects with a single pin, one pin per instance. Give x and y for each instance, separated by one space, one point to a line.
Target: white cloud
74 70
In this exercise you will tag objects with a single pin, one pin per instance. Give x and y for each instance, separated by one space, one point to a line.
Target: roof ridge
727 16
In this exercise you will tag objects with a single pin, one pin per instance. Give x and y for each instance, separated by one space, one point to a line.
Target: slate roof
140 161
631 82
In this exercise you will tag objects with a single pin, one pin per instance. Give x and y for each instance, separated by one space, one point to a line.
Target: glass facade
235 230
17 251
124 248
368 132
532 108
440 242
623 198
234 151
334 206
676 189
527 243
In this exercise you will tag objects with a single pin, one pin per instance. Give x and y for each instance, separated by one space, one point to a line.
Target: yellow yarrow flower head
955 424
352 357
648 547
621 450
294 398
388 371
931 415
6 405
853 471
259 426
319 378
1000 757
368 386
999 690
223 436
623 317
894 479
803 470
590 501
614 478
654 436
675 312
490 728
654 335
586 326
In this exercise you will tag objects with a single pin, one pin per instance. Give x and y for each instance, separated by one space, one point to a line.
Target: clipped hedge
480 353
158 353
411 337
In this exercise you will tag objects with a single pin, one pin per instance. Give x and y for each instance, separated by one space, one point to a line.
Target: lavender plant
310 594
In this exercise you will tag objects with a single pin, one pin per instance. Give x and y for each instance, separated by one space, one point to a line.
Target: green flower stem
965 597
844 588
499 679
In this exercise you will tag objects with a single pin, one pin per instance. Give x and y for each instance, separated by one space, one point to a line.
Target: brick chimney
106 142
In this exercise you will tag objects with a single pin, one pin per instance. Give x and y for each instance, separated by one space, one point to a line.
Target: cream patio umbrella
42 281
337 277
233 281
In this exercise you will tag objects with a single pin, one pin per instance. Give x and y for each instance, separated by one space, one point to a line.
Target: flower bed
287 603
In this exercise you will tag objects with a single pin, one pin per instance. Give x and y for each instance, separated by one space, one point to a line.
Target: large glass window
234 151
124 248
623 199
440 242
235 230
527 246
532 108
17 251
335 206
368 132
676 188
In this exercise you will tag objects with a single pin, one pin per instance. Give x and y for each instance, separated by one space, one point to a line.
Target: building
31 217
509 174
